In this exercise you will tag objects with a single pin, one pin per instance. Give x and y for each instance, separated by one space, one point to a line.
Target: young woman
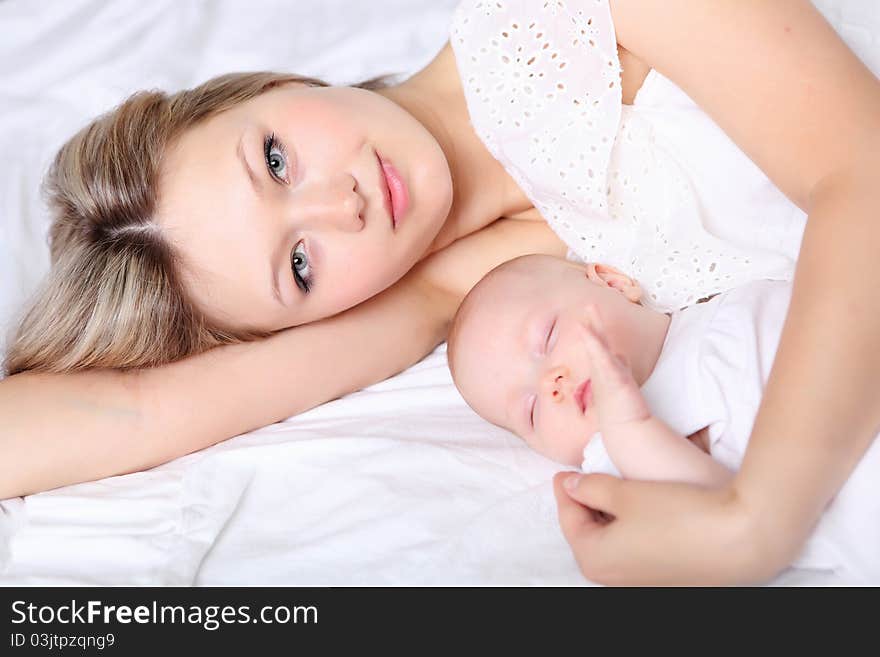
257 203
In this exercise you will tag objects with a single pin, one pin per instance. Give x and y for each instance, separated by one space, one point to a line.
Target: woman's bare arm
808 112
63 429
780 82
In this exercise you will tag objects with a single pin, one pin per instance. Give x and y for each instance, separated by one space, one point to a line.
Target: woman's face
280 207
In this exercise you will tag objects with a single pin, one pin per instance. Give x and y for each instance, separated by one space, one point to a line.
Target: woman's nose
333 204
557 383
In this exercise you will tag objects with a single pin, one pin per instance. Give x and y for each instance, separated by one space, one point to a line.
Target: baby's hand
617 398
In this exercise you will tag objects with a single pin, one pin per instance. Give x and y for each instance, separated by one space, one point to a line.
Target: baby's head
516 350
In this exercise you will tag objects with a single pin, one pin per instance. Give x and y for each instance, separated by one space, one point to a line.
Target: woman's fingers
596 491
661 533
583 504
575 519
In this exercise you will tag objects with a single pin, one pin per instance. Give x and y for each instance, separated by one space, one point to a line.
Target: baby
563 355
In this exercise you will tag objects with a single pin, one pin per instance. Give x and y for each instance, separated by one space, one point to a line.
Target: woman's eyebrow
256 183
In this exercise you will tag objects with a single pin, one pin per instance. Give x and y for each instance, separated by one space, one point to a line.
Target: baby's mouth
583 395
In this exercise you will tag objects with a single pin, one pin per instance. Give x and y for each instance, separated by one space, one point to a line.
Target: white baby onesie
711 373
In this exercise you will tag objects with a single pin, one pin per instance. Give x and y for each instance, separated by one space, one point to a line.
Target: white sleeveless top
655 189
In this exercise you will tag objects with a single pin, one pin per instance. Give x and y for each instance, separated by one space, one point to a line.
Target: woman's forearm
48 423
63 429
821 407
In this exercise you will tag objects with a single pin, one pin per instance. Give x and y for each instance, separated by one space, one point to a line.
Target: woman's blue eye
276 158
302 271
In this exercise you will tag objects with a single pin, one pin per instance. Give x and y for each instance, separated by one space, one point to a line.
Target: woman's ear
614 278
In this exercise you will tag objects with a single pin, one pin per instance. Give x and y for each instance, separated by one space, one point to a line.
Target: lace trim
542 84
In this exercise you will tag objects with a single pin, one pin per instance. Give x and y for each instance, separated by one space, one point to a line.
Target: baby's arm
649 450
640 445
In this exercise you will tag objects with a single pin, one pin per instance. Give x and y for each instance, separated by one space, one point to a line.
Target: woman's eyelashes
275 155
302 270
276 158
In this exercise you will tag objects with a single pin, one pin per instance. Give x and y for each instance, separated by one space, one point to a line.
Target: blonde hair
113 296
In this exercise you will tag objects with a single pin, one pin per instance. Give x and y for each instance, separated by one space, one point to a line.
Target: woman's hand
659 534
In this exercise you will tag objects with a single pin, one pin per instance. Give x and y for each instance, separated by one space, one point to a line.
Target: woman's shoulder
458 267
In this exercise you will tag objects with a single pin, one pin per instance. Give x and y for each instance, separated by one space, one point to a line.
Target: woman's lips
583 395
399 195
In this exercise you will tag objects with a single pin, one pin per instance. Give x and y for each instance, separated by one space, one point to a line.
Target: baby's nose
557 384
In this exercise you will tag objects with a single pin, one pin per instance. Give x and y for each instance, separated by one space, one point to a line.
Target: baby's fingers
608 368
593 335
616 395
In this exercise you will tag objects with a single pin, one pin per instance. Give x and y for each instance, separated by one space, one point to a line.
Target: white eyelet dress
655 189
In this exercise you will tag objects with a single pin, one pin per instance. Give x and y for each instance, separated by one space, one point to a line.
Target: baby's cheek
540 443
553 442
534 442
575 438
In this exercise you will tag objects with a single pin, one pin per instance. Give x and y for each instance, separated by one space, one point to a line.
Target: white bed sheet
398 484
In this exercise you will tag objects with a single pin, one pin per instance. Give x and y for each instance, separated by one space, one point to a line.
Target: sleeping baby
565 356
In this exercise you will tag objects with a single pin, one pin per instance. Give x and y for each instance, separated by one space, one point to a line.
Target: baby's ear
614 278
